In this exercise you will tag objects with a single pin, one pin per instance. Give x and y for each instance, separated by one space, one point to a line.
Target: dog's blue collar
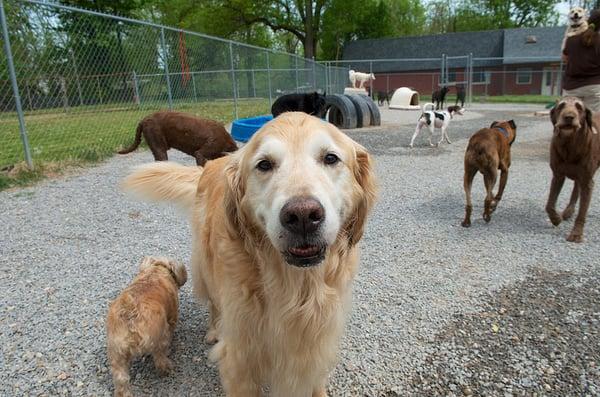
503 131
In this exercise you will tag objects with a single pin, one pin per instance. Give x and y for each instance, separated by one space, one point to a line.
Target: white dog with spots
435 119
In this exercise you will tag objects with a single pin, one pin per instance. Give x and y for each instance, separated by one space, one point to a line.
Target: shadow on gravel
539 337
528 217
393 141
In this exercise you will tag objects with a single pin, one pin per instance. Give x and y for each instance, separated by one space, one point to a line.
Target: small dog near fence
460 95
201 138
487 152
142 319
435 119
439 97
574 154
383 97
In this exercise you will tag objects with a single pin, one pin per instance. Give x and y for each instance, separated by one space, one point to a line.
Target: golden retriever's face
569 116
301 182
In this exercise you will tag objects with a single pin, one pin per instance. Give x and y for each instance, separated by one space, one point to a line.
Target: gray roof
484 44
546 48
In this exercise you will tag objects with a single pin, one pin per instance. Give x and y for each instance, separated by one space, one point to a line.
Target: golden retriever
142 319
276 227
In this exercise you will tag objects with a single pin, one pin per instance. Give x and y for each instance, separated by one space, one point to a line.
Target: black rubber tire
342 113
363 113
375 115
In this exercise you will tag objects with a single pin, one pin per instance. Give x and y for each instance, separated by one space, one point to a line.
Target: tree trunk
309 37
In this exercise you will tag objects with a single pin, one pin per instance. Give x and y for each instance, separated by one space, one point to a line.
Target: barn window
524 76
481 76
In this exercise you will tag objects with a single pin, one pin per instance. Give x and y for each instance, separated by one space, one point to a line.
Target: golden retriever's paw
466 223
575 237
320 393
211 336
487 217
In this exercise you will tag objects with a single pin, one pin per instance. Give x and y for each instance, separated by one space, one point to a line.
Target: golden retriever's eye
264 165
331 159
578 106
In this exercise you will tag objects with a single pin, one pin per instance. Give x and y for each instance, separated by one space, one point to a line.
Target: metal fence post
136 89
443 76
470 102
371 81
326 77
297 84
253 85
314 74
269 80
77 78
194 87
166 61
234 82
15 86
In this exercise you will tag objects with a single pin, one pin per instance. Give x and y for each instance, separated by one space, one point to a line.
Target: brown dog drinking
488 151
201 138
574 154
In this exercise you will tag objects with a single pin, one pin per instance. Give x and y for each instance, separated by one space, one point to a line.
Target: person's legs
589 94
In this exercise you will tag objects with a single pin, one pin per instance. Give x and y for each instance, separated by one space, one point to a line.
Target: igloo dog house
406 99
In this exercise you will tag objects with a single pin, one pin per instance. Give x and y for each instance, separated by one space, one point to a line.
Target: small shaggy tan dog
276 229
142 319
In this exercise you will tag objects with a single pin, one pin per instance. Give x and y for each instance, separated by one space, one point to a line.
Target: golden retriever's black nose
568 119
302 215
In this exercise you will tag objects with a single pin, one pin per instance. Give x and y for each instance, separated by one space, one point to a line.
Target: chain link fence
535 79
85 79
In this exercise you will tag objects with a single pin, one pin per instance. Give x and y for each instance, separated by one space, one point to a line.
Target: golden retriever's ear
234 192
364 175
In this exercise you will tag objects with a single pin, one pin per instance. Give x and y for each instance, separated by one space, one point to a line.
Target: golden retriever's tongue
310 250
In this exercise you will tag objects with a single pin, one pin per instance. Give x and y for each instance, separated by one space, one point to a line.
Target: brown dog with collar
574 154
488 151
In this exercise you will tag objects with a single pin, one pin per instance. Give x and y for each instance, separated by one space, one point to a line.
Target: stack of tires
352 111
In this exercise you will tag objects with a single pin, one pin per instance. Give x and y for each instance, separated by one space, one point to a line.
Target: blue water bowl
243 129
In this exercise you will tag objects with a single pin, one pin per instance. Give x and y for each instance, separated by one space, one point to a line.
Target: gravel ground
506 308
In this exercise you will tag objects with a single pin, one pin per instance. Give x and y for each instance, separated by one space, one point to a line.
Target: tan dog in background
276 227
574 154
142 319
488 151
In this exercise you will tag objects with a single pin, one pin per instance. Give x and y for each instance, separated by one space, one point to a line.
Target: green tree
471 15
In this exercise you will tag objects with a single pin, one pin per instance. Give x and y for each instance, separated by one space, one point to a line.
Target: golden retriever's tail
165 182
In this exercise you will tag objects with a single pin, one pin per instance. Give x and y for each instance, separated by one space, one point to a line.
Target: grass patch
87 135
537 99
20 175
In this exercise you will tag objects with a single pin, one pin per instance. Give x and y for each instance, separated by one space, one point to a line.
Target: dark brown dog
575 154
201 138
488 151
